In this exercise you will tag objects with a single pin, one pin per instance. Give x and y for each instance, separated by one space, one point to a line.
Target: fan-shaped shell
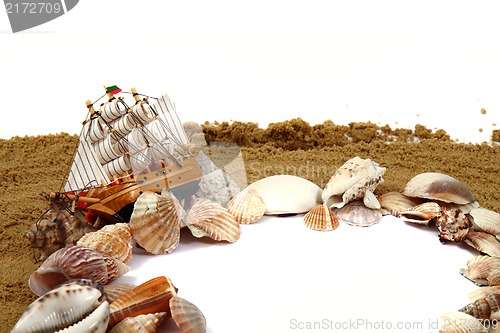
321 218
114 240
146 323
287 194
67 305
484 242
459 322
209 218
395 202
155 222
494 277
438 186
75 262
247 206
486 220
187 316
355 179
479 268
357 214
150 297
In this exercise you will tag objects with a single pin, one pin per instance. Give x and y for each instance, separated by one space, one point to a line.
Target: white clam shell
287 194
355 179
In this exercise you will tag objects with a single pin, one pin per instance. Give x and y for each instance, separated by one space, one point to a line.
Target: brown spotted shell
145 323
114 240
321 218
209 218
149 297
187 316
155 222
75 262
247 206
453 225
438 186
357 214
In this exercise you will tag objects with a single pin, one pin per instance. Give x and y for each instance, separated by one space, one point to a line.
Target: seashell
484 308
438 186
394 202
486 220
155 222
287 194
459 322
482 292
466 209
421 214
209 218
355 179
453 225
494 277
146 323
75 262
70 304
150 297
479 268
247 206
55 229
357 214
321 218
114 240
484 242
116 290
187 316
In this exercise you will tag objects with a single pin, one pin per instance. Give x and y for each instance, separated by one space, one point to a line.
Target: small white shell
355 179
287 194
357 214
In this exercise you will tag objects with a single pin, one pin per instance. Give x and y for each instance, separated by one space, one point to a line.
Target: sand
31 165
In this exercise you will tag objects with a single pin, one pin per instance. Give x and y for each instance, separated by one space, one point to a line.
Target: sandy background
31 165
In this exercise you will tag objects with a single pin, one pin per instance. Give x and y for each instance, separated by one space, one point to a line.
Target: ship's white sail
118 140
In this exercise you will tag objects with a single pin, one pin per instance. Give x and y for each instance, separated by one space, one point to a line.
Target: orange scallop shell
247 207
321 218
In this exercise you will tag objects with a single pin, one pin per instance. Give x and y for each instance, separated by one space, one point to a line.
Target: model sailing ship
124 150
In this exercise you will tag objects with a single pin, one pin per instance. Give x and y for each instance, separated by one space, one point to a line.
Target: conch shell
145 323
484 308
355 179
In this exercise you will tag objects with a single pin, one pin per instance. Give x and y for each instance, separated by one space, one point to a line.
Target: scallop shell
484 242
287 194
150 297
438 186
459 322
486 220
321 218
114 240
67 305
355 179
484 308
75 262
421 214
395 202
209 218
116 290
494 277
247 206
357 214
187 316
146 323
155 222
453 225
479 268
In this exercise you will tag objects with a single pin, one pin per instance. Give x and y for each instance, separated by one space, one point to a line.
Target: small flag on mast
113 90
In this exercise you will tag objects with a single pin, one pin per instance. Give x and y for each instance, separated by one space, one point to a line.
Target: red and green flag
113 90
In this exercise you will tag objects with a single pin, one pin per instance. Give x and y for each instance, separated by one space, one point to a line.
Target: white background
394 62
391 62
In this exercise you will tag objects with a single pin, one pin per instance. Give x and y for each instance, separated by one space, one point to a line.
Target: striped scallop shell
321 218
75 262
483 242
114 240
155 222
247 207
187 316
479 268
149 297
357 214
209 218
145 323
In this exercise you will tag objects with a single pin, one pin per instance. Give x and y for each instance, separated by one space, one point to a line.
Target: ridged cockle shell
80 306
75 262
321 218
247 206
355 179
187 316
